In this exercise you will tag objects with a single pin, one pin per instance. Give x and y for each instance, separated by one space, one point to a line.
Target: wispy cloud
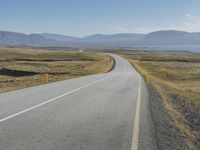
190 23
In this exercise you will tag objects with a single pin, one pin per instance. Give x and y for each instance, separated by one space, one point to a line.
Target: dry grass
174 74
26 67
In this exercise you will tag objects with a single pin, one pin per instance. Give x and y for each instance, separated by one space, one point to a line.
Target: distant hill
58 37
166 34
14 38
171 37
99 41
112 37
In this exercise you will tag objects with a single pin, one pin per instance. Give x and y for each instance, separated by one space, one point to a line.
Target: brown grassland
176 76
20 68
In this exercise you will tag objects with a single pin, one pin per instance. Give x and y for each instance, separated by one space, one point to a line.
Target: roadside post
46 78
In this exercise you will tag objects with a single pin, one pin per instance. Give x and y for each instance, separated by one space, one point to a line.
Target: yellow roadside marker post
46 78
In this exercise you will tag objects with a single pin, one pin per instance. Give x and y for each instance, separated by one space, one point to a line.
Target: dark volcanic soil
15 73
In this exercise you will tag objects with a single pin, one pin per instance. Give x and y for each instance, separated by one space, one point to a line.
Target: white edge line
136 128
53 99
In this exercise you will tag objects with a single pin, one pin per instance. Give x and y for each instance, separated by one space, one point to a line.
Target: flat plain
21 68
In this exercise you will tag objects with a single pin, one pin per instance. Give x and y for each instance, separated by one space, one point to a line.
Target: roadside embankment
174 85
21 68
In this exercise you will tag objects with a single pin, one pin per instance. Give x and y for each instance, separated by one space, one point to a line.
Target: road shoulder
167 136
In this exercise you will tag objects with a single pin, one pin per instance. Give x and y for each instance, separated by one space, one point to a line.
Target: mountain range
157 38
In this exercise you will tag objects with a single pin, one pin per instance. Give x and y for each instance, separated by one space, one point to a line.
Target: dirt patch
15 73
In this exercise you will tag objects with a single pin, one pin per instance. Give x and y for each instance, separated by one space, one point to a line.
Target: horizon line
81 36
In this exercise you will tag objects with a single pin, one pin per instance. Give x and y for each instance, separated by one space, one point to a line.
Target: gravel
191 114
167 136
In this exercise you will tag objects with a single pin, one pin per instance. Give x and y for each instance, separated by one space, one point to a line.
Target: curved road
98 112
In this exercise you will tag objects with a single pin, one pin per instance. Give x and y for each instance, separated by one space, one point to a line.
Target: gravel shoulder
167 136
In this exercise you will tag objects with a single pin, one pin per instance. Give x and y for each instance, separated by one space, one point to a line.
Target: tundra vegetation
20 68
176 76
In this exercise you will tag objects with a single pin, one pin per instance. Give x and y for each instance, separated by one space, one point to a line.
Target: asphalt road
98 112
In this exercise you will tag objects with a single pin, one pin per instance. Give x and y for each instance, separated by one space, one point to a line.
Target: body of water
193 48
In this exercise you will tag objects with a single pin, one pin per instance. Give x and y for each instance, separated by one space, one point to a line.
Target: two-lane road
98 112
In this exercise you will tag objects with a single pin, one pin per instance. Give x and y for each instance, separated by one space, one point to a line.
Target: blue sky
84 17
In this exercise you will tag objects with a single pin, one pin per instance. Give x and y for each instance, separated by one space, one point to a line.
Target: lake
193 48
